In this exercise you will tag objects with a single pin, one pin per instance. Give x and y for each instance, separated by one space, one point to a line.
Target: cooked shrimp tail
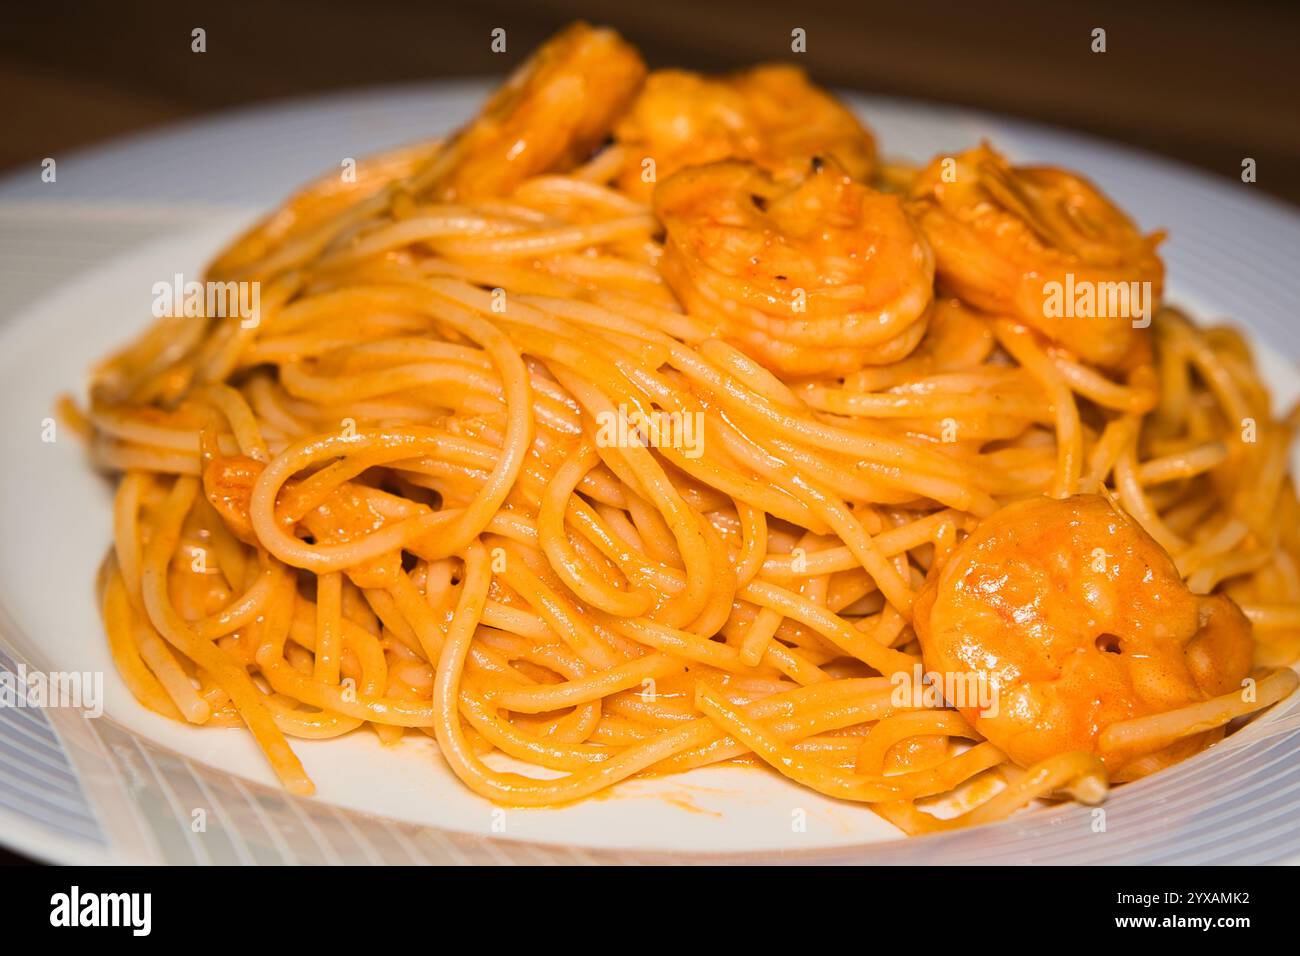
1079 624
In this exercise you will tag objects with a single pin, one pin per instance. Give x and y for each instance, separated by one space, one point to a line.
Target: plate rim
45 847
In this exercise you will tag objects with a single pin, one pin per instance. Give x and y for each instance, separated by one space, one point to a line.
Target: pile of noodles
386 507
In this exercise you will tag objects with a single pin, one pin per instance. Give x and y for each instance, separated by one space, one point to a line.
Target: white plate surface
126 787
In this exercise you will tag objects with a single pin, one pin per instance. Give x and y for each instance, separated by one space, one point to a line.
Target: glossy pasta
542 448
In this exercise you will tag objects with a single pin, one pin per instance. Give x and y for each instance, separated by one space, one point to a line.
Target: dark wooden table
1208 83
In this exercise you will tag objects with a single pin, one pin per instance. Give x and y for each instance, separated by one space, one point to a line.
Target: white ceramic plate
131 786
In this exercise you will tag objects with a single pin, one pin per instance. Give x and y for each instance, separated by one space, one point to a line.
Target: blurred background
1207 83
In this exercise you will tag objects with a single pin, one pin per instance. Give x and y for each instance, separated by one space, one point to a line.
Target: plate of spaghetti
665 466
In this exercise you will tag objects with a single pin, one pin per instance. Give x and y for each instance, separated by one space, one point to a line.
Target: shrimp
770 115
819 275
1017 240
1075 619
549 116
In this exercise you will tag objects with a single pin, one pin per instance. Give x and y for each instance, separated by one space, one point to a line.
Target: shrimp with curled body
551 115
1004 236
815 276
1077 620
770 115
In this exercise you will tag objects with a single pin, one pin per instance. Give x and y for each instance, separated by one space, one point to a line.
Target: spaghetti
544 452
